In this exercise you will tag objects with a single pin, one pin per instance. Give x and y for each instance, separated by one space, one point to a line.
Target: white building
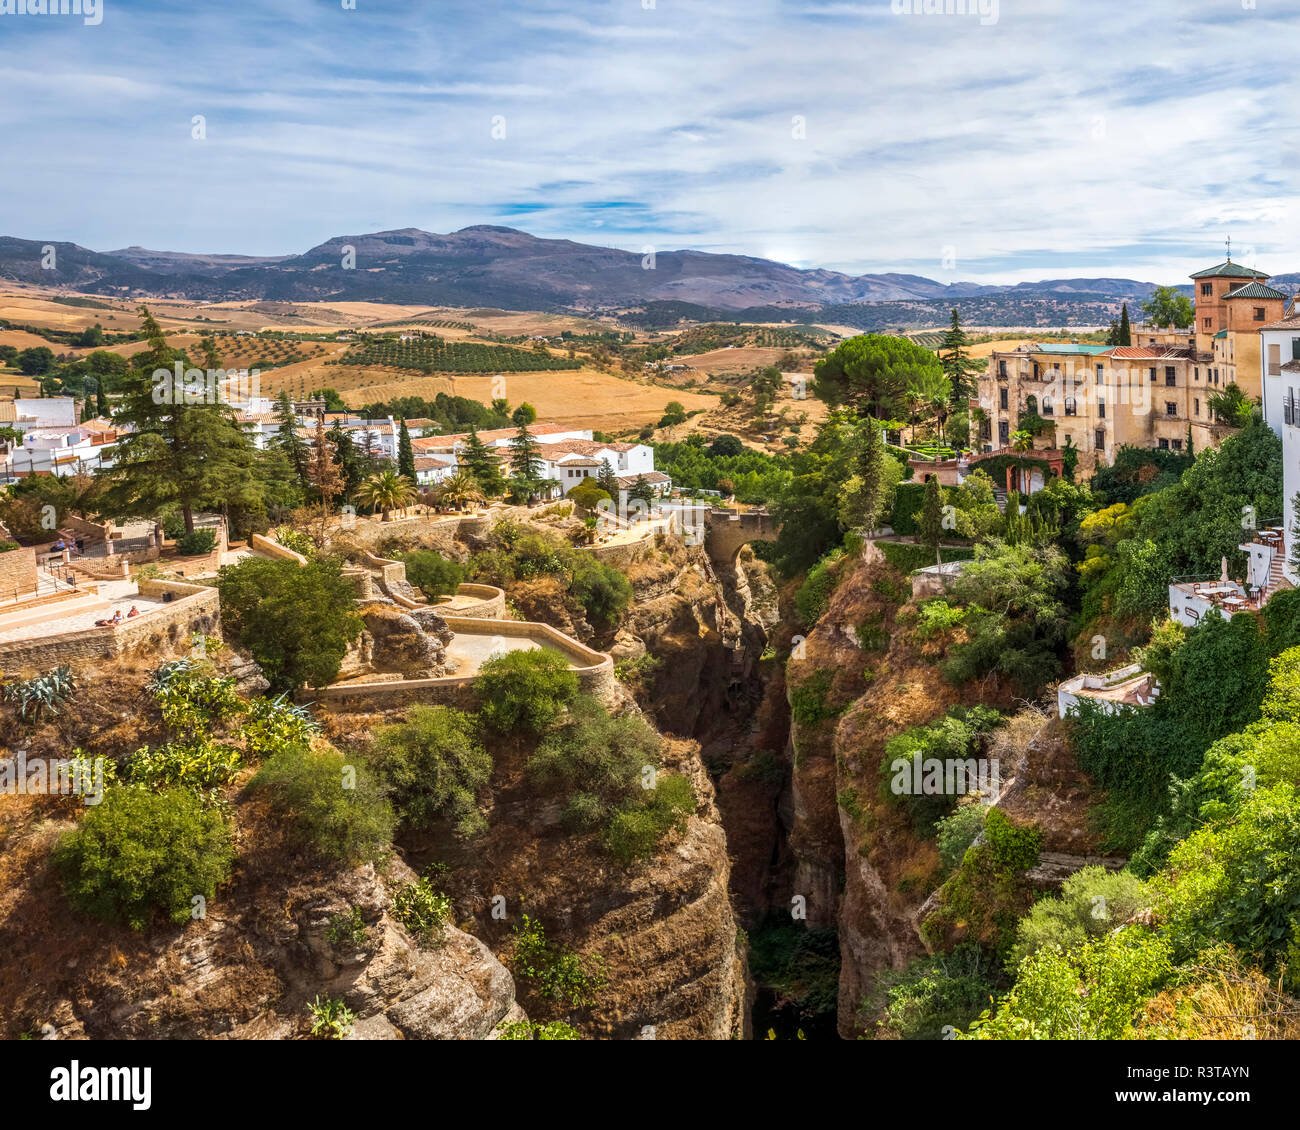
1127 686
1279 355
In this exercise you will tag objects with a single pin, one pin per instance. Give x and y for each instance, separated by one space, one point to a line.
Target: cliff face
246 970
663 927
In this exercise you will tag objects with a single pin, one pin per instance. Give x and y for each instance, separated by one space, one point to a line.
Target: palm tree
461 488
1022 441
386 491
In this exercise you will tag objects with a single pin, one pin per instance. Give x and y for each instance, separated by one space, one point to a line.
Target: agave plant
45 693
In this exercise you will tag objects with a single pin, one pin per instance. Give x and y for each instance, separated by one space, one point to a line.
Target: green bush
588 494
906 557
814 595
296 621
423 910
603 592
525 690
434 767
934 994
808 699
957 831
557 972
635 833
200 766
196 543
1092 902
139 853
433 574
908 499
1012 848
333 809
532 1030
173 526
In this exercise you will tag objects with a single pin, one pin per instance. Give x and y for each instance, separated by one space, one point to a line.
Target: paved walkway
119 594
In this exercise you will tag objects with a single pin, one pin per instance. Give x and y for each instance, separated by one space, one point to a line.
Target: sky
1025 139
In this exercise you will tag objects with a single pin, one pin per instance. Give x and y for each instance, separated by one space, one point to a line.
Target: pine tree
175 454
643 491
287 438
931 519
526 457
607 480
958 366
1125 330
405 452
325 475
479 461
101 398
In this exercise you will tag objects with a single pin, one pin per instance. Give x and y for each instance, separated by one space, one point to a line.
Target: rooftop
1256 290
1229 270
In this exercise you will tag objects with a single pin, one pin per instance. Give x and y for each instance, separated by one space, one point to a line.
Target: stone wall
163 631
490 602
17 572
269 547
595 671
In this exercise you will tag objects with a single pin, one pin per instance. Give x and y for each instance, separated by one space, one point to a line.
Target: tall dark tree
526 457
182 451
931 518
961 369
1125 330
405 452
287 438
479 461
607 480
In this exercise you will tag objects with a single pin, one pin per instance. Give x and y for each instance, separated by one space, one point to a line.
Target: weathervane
1229 243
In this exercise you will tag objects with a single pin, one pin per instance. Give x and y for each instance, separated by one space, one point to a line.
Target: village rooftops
1290 322
1152 353
491 435
1066 349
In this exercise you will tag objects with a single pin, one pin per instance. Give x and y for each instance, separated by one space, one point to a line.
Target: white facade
45 412
1279 354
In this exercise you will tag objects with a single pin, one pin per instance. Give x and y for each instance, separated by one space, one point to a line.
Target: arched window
1047 409
1069 406
1031 404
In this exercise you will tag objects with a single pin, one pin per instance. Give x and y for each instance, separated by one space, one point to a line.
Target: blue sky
1063 138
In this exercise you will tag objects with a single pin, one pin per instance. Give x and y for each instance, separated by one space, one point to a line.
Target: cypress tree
405 452
931 523
287 438
1125 331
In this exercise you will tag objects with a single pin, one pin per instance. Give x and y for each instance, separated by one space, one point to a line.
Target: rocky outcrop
248 967
412 643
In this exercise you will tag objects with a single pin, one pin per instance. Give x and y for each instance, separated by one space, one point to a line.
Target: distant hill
507 268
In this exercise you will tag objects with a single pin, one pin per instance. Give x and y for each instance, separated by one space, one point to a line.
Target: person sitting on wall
134 612
117 616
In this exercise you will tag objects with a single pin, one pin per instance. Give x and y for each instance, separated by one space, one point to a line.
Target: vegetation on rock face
524 691
139 855
556 972
333 809
434 767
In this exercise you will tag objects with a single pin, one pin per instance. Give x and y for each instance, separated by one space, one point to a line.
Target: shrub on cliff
434 767
296 621
602 590
140 853
433 574
334 809
525 690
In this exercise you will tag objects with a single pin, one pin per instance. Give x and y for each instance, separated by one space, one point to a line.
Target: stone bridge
725 531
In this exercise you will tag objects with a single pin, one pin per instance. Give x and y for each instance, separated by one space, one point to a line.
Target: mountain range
503 267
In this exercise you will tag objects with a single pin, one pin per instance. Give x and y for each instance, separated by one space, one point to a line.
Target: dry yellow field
582 397
741 359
